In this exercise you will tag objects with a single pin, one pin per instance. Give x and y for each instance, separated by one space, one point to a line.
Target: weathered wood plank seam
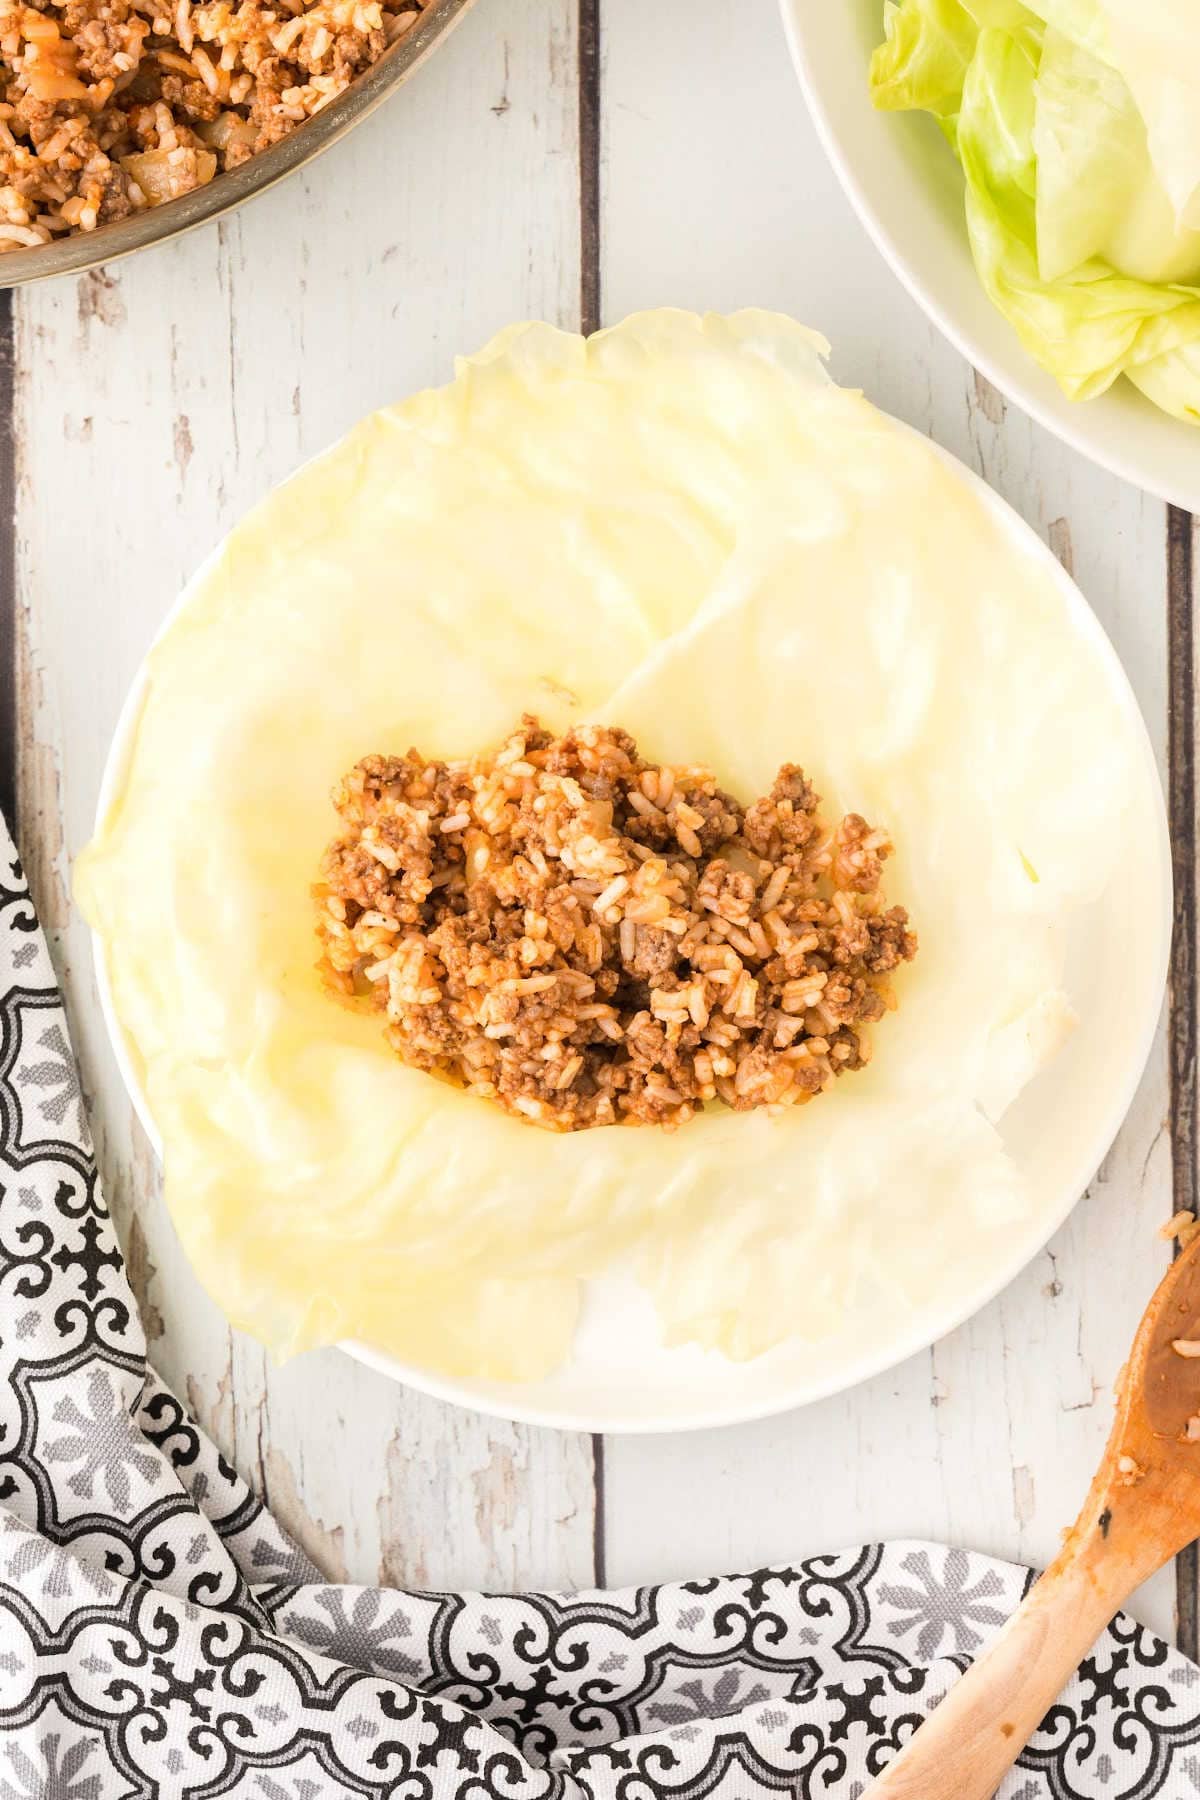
590 300
1181 677
9 725
589 166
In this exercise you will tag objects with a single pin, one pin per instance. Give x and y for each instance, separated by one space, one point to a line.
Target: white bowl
620 1376
901 178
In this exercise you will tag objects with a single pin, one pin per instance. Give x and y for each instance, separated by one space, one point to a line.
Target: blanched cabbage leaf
1081 152
1156 45
680 526
1090 149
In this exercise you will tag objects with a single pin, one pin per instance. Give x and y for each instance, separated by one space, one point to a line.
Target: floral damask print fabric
161 1636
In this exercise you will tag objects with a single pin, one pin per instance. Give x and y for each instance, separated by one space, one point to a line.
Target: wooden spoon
1142 1509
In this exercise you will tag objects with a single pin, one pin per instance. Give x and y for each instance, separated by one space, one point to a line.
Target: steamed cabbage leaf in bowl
1078 132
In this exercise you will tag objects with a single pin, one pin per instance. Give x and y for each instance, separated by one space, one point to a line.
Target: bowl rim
1062 424
82 251
504 1400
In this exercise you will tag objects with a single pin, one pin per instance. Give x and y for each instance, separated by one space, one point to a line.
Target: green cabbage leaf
1082 171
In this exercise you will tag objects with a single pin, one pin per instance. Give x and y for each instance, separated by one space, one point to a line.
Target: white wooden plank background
716 194
156 401
204 373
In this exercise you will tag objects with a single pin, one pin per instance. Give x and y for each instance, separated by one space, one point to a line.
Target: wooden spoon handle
966 1747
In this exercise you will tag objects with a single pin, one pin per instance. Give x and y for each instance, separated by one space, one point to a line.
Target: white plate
620 1377
902 180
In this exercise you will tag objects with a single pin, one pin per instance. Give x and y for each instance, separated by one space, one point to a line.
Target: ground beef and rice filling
586 938
111 106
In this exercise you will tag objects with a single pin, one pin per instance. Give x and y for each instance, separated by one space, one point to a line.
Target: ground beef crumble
586 938
111 106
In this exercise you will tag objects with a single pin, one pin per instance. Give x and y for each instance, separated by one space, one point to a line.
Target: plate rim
502 1401
1060 425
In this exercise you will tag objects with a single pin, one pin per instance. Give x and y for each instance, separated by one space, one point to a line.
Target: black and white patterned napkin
161 1636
